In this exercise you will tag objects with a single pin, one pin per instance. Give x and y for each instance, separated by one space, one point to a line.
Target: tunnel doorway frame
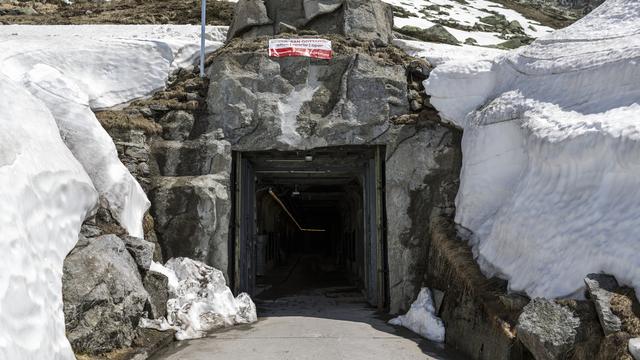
243 237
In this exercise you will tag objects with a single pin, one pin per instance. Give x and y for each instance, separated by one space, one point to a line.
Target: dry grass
625 305
118 354
456 267
113 119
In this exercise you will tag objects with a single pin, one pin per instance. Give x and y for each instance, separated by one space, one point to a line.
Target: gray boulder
103 296
141 250
157 285
177 125
205 155
192 217
436 33
600 288
548 330
360 19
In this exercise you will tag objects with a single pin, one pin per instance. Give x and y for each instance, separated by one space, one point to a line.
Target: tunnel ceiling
318 167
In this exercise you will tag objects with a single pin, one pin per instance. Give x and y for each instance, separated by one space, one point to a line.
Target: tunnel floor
310 314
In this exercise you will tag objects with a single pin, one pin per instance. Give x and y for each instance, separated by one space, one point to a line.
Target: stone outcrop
549 330
600 288
192 217
157 285
369 20
295 103
141 251
203 156
263 103
103 295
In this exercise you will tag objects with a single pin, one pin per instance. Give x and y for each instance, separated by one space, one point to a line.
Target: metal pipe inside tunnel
284 207
338 190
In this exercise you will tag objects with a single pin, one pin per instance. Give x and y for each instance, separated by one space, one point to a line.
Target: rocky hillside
113 12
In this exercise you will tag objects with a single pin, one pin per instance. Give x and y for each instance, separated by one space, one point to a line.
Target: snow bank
200 300
551 154
112 64
45 196
51 77
421 318
91 145
438 54
74 69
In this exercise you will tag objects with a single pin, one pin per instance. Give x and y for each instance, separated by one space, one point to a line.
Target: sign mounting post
203 22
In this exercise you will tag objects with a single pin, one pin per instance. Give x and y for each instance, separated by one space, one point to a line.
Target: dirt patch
115 12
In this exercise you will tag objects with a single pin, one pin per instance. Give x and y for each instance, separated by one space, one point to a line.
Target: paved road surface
296 322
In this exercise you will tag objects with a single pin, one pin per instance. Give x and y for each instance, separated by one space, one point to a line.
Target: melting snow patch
421 318
199 300
463 19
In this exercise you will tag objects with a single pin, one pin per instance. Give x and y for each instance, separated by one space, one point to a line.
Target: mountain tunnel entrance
315 215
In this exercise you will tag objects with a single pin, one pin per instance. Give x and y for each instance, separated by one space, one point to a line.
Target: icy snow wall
551 154
45 195
200 300
54 155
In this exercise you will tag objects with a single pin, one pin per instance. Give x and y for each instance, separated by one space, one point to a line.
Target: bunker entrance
310 219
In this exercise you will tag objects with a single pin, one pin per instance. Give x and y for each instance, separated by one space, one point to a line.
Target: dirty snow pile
551 154
421 318
478 22
56 160
199 300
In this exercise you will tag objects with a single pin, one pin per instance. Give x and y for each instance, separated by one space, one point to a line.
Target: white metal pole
203 20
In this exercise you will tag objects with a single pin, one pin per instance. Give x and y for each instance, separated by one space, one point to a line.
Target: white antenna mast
203 22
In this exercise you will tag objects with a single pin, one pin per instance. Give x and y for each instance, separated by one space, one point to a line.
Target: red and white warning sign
314 48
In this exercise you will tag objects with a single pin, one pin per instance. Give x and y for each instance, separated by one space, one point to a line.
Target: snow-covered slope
463 19
54 155
438 54
44 197
110 63
551 154
74 69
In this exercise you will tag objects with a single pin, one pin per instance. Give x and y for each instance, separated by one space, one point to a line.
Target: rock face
547 329
360 19
295 103
157 285
103 295
192 217
141 250
600 289
263 103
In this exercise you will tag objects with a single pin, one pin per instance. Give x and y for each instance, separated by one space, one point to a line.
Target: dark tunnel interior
314 220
